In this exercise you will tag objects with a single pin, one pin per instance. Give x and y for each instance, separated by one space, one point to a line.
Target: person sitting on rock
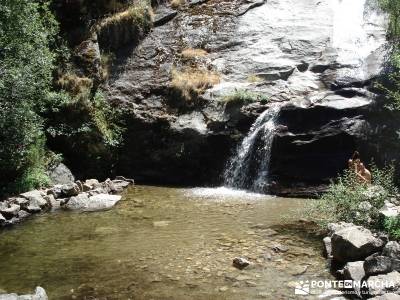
363 174
354 161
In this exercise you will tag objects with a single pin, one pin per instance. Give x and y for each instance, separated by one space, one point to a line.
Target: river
165 243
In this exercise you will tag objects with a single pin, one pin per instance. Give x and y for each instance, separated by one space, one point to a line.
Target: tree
27 29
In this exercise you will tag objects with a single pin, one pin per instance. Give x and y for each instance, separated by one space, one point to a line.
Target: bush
349 200
27 29
244 97
391 225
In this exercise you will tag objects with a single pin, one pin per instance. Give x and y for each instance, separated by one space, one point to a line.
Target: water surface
163 243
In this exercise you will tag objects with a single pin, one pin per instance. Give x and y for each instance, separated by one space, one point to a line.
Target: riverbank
90 195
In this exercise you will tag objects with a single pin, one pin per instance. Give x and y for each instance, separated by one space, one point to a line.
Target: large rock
392 249
378 264
354 243
83 202
36 200
61 175
9 210
40 294
382 284
354 271
70 189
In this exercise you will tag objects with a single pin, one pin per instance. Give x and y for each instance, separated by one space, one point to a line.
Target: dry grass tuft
106 64
140 14
192 82
76 86
254 78
193 53
177 3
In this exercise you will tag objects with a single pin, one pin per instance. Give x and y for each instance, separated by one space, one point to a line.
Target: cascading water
249 167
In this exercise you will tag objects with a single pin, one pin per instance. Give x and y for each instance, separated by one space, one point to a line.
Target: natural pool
164 243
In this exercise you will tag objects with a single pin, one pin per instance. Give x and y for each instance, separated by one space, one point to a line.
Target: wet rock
69 190
241 263
382 284
327 251
40 294
60 174
354 243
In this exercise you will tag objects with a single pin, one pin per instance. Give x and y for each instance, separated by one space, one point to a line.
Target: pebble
223 289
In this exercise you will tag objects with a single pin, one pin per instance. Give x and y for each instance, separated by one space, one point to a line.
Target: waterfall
249 167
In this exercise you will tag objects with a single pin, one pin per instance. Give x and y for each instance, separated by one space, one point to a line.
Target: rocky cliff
181 88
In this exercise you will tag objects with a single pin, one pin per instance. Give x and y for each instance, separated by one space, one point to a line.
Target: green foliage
391 225
245 96
390 85
392 7
35 176
348 200
27 29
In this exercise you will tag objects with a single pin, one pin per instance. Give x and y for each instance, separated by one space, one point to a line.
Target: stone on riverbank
378 264
40 294
241 263
71 189
36 199
83 202
354 243
392 249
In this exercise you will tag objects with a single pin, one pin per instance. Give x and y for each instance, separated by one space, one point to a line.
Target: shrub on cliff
244 97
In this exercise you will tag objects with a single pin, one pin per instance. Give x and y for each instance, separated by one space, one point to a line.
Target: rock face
302 62
354 243
40 294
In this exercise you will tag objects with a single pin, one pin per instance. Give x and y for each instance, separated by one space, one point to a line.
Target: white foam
222 193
